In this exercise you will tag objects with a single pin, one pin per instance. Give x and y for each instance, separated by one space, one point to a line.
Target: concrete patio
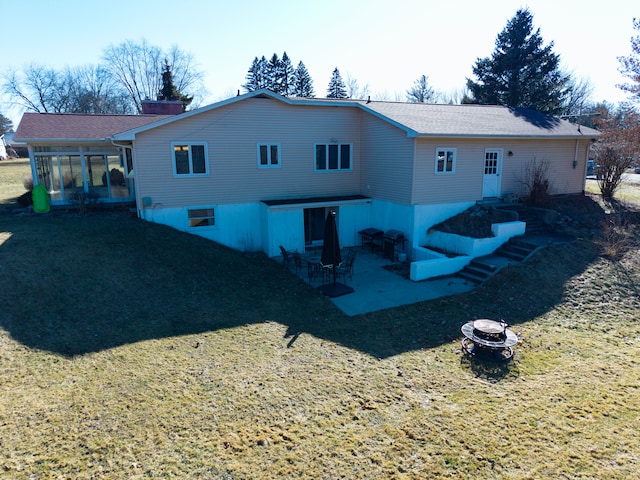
376 288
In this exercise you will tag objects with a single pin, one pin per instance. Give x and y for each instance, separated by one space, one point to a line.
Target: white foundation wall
426 216
284 225
254 227
237 225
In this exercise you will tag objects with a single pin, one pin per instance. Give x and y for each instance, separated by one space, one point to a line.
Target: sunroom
82 173
74 158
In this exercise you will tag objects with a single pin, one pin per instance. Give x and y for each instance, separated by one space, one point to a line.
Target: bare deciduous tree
618 148
37 88
138 67
88 89
354 90
579 95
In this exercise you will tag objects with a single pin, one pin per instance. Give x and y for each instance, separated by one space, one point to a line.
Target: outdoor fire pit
488 338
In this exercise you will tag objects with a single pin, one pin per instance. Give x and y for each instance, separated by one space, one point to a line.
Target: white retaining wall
430 264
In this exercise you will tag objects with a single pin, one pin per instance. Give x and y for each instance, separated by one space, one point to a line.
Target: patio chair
297 261
316 271
346 267
287 257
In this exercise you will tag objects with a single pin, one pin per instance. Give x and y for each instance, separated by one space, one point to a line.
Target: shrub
611 166
537 183
27 181
617 238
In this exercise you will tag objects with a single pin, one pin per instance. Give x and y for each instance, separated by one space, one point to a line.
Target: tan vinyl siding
232 134
557 154
387 161
466 183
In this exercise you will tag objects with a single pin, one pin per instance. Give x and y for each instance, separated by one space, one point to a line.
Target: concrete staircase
478 270
516 250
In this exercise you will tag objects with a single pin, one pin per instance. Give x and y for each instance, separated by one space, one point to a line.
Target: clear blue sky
386 44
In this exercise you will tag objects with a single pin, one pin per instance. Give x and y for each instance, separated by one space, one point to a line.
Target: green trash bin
40 198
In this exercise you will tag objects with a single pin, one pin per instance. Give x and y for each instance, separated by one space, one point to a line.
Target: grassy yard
12 175
628 192
131 350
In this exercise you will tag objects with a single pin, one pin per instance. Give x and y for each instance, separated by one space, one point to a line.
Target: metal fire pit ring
489 338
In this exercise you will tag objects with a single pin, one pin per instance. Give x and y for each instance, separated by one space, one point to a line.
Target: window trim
190 155
269 145
327 158
446 151
194 208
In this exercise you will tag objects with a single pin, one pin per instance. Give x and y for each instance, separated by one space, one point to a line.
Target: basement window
201 217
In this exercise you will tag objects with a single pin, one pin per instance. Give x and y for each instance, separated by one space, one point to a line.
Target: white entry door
492 169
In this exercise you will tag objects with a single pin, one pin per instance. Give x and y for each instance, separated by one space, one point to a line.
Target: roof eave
475 136
64 141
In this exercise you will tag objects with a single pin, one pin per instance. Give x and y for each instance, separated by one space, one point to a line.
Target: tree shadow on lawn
75 284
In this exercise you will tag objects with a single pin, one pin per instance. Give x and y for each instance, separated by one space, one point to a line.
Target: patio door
492 169
314 219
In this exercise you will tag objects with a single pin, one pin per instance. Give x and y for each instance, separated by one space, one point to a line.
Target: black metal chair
297 261
346 267
288 257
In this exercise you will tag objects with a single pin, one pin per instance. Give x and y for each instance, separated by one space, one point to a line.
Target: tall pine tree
630 65
274 74
421 91
169 90
302 82
521 72
286 75
257 75
337 88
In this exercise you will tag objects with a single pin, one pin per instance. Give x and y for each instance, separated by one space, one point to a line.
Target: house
3 148
14 149
260 170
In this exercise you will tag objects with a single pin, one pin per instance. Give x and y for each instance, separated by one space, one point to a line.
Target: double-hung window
190 159
333 156
445 160
268 155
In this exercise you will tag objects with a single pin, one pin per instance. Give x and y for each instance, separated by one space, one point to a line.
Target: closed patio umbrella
331 258
331 248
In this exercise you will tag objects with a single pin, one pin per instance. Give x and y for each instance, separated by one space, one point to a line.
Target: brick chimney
162 107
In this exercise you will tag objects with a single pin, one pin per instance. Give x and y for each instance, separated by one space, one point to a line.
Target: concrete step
481 264
465 274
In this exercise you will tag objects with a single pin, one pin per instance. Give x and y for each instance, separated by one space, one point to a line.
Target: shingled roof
417 119
434 120
36 127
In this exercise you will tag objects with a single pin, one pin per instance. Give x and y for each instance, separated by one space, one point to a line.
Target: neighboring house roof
64 127
10 142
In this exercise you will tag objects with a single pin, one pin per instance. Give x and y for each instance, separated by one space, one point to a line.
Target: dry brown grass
130 350
12 176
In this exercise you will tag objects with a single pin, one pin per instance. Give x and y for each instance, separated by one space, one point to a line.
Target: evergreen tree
286 75
6 125
337 88
274 74
169 90
521 72
257 75
421 92
302 82
630 65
